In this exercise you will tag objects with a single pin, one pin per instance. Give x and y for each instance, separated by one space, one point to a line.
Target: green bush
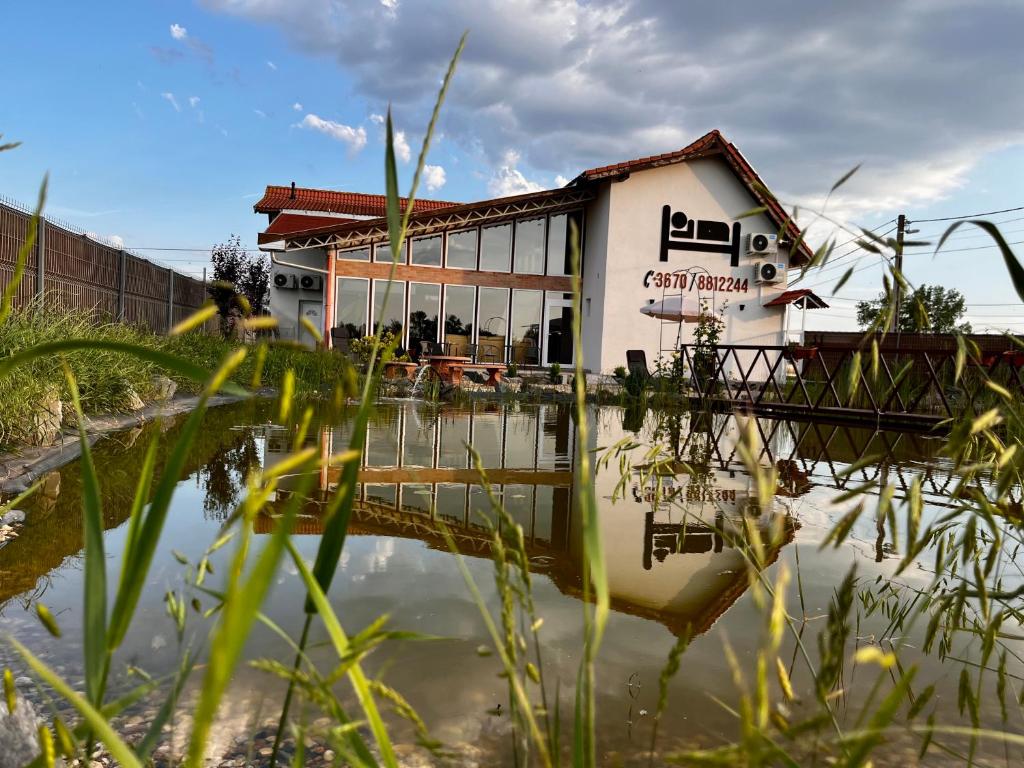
621 373
555 373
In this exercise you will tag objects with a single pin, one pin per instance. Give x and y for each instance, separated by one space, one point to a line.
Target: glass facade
389 318
496 248
529 247
527 311
424 309
492 322
426 251
459 309
350 306
462 249
526 325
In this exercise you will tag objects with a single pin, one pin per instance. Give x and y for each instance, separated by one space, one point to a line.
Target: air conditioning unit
769 273
311 283
762 244
286 281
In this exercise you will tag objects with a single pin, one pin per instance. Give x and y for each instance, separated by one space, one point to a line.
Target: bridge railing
848 383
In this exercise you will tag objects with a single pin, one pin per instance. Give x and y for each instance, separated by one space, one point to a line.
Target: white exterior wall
617 260
284 304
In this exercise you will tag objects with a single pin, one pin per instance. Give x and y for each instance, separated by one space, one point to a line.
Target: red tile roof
354 203
713 143
287 223
791 297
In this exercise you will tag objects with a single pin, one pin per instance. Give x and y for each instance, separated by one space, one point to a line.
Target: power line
972 248
969 215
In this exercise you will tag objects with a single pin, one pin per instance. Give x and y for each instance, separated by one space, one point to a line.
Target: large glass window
350 306
559 244
459 306
496 248
388 318
492 324
424 308
356 254
529 252
527 308
382 252
426 251
462 249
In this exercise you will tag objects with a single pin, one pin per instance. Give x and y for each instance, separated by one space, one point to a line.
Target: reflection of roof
799 297
354 203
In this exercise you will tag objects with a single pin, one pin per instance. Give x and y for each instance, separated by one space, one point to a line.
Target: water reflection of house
674 556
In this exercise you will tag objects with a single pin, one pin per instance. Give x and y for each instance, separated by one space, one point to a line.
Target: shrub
620 373
513 369
555 373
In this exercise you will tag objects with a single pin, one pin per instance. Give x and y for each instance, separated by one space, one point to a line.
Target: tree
241 283
929 309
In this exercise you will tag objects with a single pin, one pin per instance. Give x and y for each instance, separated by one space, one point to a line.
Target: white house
493 278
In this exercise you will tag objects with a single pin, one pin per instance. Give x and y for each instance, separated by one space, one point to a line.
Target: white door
313 311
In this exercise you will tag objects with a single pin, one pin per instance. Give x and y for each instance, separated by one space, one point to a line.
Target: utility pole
901 226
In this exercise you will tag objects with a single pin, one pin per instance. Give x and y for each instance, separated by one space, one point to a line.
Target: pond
673 567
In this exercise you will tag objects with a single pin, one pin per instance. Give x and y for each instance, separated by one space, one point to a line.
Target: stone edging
19 470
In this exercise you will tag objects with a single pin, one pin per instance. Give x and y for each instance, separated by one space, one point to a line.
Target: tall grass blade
339 640
96 721
94 601
21 260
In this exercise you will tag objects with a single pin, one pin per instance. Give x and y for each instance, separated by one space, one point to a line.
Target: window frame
405 304
410 250
543 244
511 247
440 310
366 308
367 260
476 252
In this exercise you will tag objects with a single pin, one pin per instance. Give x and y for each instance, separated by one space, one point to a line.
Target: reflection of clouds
382 551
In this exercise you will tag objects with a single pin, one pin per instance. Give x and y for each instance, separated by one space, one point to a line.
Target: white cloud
354 138
580 83
272 65
509 180
297 106
259 113
115 240
193 101
376 118
173 101
402 151
561 181
433 177
178 32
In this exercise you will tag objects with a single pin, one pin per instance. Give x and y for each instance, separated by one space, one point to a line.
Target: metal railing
914 388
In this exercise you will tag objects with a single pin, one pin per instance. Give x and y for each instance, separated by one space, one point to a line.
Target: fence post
122 284
170 299
41 258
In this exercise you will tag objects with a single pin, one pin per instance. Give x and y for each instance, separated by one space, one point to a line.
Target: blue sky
161 122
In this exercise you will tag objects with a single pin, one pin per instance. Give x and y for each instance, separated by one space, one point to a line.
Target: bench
494 371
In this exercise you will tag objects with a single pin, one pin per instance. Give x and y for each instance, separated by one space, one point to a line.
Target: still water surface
665 573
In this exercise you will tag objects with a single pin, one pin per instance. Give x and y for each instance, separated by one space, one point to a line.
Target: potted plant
794 351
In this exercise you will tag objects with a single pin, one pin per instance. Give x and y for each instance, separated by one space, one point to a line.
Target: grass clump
35 402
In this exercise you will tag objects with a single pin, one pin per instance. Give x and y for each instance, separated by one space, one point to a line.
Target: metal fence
69 269
911 388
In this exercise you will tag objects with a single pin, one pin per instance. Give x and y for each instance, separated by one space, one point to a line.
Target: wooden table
447 367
